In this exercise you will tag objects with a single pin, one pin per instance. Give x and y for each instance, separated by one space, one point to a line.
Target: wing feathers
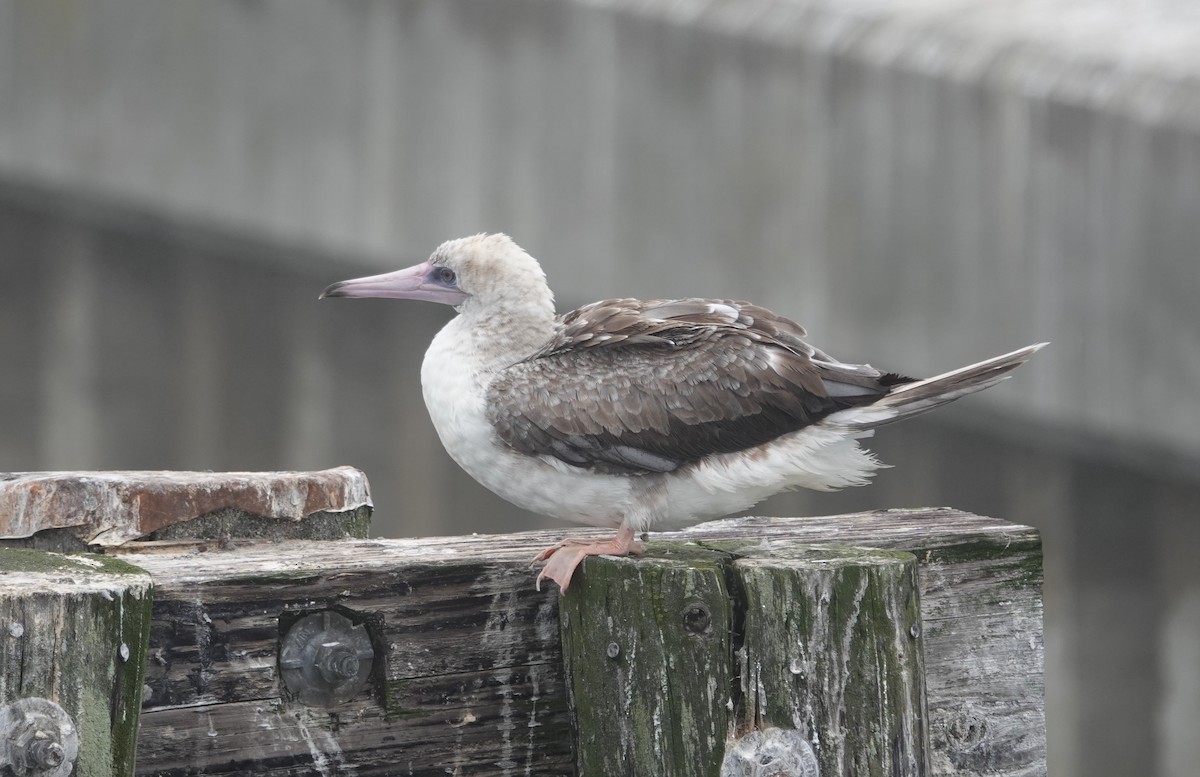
920 396
638 387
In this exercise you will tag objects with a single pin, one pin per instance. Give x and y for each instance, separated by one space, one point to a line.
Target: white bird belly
455 399
822 457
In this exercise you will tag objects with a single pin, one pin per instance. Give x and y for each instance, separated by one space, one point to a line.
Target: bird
640 414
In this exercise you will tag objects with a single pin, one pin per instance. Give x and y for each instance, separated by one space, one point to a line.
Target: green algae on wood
74 630
474 677
647 646
832 649
673 656
231 523
981 607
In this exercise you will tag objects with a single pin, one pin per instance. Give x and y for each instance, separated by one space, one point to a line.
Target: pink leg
568 554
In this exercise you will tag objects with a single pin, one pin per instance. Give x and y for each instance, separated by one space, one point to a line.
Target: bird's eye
445 275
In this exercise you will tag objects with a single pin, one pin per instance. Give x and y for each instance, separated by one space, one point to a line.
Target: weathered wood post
831 648
647 648
944 616
281 642
75 627
680 660
73 635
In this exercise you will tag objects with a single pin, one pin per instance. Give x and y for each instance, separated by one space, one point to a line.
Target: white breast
454 388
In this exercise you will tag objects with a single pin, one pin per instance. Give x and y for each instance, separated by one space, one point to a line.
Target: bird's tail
909 399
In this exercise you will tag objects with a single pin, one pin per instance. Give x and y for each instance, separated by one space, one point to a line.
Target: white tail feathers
920 396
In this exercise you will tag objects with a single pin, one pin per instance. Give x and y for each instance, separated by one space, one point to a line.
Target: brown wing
638 387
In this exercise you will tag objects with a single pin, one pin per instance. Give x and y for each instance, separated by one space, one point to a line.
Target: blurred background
921 183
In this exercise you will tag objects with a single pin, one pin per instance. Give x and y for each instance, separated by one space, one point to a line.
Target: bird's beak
411 283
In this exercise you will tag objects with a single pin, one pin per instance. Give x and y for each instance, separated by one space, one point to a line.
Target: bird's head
485 272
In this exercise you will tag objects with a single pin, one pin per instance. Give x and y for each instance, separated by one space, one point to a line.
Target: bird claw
563 558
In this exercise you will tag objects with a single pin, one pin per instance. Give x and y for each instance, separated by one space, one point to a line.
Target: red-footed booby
639 414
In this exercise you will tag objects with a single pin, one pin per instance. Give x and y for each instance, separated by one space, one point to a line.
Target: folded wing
635 387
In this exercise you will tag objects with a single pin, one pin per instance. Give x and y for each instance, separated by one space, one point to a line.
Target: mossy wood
470 675
831 647
647 650
674 656
74 630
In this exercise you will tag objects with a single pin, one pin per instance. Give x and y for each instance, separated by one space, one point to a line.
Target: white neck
503 332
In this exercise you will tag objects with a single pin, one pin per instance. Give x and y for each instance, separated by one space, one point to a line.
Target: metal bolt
45 753
967 728
775 752
613 650
696 618
326 659
37 737
914 630
337 662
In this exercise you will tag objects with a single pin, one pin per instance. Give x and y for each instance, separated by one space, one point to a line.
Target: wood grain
73 630
471 673
831 648
648 652
674 656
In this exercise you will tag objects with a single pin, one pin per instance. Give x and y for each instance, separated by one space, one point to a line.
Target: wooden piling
893 642
472 674
831 648
674 657
73 633
647 654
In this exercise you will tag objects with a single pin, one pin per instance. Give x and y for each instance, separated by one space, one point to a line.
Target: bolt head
769 753
47 754
36 748
326 659
37 737
697 619
337 663
613 650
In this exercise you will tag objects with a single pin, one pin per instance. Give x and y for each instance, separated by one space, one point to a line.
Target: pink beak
417 282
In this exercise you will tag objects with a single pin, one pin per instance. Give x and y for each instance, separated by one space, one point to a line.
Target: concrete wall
920 184
917 187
